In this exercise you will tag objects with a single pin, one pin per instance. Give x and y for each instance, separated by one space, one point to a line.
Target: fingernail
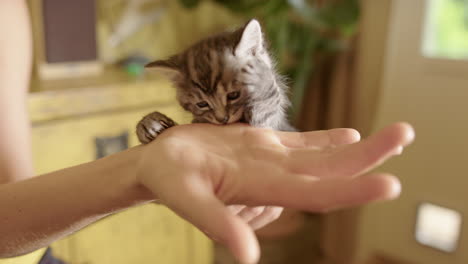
395 190
410 135
398 150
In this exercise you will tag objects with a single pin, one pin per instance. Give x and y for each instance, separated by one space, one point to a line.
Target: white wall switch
438 227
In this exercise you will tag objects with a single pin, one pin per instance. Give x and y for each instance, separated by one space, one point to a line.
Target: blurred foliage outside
298 31
446 29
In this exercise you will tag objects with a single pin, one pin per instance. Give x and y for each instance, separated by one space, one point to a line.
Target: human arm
40 210
37 211
15 66
198 169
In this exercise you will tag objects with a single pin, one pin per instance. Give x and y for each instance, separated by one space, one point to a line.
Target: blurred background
361 64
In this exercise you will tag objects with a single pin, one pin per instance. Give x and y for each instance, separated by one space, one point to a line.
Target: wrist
129 187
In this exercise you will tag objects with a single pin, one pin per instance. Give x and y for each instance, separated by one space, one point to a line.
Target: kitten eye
233 95
196 85
202 104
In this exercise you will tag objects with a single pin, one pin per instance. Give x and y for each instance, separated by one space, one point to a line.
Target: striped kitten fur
224 79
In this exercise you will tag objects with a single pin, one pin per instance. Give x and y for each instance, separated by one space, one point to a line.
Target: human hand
198 170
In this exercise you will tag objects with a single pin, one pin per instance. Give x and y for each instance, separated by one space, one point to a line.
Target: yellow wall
68 115
178 28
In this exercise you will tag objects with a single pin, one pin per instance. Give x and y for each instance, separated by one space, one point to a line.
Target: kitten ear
168 67
251 40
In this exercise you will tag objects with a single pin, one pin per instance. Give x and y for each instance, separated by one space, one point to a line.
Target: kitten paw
152 125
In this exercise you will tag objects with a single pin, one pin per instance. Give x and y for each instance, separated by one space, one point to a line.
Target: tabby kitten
224 79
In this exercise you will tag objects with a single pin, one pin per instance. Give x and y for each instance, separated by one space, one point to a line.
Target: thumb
197 203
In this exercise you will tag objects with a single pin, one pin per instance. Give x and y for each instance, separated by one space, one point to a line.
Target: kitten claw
152 125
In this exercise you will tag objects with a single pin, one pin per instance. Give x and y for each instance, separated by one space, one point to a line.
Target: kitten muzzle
224 120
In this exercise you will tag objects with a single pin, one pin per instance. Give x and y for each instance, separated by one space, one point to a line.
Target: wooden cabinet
66 123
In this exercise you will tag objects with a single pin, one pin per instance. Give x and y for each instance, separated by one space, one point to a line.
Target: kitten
224 79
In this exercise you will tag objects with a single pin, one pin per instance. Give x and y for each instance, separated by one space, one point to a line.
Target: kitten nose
223 120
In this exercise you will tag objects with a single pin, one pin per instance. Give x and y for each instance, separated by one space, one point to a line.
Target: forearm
15 66
38 211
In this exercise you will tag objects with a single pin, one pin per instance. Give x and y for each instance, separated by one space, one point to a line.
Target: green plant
299 30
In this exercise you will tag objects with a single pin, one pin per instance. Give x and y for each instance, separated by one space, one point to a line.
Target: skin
15 67
192 169
313 171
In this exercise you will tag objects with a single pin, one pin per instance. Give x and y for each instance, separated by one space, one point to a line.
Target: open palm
200 170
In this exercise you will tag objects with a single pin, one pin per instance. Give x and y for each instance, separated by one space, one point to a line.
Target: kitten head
216 77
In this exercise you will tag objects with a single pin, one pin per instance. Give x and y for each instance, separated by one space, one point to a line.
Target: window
446 29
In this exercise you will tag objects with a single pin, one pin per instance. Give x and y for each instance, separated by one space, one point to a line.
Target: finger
356 158
317 195
249 213
359 191
323 138
210 215
270 214
235 209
